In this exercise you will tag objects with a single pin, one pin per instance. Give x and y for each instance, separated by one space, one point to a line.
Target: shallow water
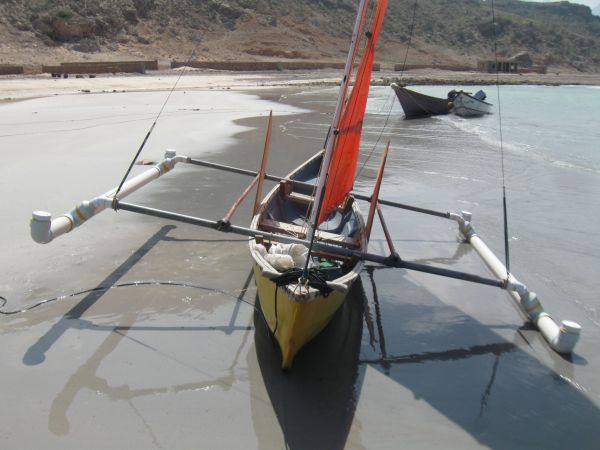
411 361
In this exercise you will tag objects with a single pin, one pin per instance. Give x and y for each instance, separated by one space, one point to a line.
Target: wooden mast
358 25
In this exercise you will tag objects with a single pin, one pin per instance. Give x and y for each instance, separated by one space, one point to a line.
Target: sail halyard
341 167
330 142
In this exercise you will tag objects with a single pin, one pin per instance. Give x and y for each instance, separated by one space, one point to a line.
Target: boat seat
295 230
301 198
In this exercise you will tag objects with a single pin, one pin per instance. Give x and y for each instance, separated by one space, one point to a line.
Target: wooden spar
263 165
376 188
240 199
258 180
386 232
390 261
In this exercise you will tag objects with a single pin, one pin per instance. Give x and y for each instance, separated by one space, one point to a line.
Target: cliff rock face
445 31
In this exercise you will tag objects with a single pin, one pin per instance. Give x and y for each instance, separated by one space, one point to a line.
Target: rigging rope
392 95
3 300
506 242
364 38
410 35
133 161
315 279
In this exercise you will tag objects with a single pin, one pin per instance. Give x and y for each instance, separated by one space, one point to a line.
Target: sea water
540 149
560 124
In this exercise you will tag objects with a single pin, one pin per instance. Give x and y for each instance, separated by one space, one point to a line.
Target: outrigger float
308 238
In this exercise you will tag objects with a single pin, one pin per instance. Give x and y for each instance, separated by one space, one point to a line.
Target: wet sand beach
175 354
20 87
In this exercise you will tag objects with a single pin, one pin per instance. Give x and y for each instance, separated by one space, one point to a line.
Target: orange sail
342 166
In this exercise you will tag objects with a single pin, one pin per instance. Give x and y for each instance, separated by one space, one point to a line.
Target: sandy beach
21 87
164 347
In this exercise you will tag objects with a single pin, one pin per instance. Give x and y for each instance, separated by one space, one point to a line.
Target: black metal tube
330 248
431 212
252 173
212 165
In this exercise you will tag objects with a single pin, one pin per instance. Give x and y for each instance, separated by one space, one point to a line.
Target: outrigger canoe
299 297
296 310
308 239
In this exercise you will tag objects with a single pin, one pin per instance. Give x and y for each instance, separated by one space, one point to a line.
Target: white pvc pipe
44 229
561 338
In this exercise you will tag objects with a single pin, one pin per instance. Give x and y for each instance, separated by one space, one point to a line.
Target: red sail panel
342 166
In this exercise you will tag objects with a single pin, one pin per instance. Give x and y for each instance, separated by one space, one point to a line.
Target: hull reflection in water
314 403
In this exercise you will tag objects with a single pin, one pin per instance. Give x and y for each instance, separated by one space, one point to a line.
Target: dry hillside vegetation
446 31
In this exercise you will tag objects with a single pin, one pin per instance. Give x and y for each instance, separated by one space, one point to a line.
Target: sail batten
342 166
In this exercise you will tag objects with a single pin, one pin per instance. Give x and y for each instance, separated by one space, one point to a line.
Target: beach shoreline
21 87
166 338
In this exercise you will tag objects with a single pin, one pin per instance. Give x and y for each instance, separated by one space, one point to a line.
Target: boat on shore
466 104
297 308
414 104
300 288
308 239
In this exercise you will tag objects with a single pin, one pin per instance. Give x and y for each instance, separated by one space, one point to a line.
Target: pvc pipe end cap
41 216
170 154
571 327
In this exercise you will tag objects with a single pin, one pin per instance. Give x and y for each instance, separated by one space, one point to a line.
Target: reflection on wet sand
86 376
435 366
498 393
313 404
36 354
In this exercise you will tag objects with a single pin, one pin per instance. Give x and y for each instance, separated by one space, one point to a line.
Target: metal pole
389 261
357 196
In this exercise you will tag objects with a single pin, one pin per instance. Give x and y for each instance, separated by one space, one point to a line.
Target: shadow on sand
494 390
491 388
314 402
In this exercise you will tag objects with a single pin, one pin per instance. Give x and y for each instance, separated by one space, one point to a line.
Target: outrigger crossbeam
562 338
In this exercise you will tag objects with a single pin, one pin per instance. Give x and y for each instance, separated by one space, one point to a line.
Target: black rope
315 279
276 315
506 242
137 154
3 300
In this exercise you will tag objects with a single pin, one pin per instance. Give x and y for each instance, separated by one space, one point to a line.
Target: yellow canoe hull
294 323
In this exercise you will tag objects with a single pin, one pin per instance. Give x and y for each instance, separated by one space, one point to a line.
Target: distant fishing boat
414 104
308 238
467 105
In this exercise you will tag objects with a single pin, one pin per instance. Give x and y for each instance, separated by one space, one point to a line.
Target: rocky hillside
445 32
